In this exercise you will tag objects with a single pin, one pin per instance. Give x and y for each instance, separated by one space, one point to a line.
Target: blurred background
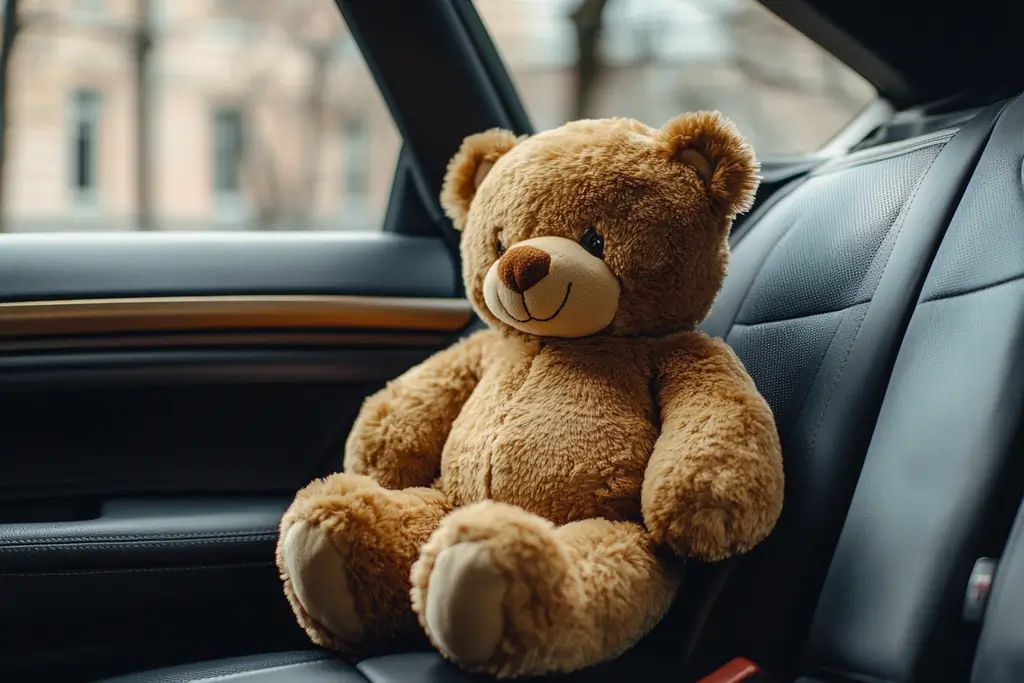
261 115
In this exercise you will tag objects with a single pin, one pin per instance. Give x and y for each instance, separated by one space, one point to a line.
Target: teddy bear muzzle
552 287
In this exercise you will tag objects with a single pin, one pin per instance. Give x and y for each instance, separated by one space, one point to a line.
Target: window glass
191 115
653 59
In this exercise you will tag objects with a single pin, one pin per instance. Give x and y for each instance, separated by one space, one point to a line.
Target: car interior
163 396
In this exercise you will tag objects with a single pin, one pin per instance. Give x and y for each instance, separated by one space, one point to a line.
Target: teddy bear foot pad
464 602
314 565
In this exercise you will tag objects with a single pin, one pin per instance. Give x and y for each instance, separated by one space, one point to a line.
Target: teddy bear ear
468 168
721 156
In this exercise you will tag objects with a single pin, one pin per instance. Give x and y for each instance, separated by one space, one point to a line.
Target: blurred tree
142 43
588 19
263 182
11 29
282 193
759 45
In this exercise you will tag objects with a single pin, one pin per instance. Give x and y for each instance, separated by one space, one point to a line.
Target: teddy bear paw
464 613
317 570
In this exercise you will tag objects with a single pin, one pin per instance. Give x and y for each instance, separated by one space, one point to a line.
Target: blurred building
262 115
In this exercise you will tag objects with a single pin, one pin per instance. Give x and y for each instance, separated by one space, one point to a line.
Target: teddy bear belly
563 465
564 431
545 479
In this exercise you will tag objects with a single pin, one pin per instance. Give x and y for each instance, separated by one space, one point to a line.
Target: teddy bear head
599 227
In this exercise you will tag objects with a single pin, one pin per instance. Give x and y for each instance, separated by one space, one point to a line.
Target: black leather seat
943 475
844 297
821 289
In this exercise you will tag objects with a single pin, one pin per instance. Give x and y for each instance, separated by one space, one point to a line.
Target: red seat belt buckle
739 670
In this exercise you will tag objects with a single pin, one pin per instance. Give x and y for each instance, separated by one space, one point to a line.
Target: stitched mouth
531 318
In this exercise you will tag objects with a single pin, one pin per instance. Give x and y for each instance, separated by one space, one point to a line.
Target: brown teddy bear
524 496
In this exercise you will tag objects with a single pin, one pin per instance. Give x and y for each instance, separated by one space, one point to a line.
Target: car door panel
162 398
144 532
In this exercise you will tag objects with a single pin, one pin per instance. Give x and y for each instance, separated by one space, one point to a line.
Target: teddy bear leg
502 591
345 550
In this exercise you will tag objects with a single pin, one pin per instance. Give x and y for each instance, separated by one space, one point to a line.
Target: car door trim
192 313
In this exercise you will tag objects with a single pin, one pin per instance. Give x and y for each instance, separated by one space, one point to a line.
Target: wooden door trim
204 313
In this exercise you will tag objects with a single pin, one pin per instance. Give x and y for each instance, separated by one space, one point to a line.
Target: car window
653 59
191 115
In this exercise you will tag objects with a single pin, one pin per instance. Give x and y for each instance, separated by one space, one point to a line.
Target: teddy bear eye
593 242
500 248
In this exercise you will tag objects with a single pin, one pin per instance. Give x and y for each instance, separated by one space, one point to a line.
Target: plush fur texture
523 497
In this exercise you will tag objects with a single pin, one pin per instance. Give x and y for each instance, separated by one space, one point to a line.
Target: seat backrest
819 294
943 476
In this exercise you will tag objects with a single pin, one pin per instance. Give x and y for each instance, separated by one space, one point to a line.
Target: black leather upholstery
819 295
843 259
283 667
942 477
141 533
422 667
428 667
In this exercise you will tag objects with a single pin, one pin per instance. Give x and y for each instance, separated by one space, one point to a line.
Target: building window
227 153
85 123
89 9
239 19
355 151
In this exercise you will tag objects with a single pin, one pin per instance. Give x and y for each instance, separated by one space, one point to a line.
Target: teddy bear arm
714 484
401 430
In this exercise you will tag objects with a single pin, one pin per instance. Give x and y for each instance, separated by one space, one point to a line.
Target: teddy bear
527 498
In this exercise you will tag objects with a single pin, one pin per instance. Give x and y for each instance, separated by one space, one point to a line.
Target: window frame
434 103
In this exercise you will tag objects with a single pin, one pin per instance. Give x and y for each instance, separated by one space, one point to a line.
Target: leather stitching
760 266
900 221
142 570
138 537
103 545
838 375
255 669
974 290
761 323
918 144
814 380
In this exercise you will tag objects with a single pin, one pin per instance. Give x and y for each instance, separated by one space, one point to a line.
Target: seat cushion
421 667
282 667
429 667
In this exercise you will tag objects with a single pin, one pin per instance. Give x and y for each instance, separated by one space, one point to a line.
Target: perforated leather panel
834 235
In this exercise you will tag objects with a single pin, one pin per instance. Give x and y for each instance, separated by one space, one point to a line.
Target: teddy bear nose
523 267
